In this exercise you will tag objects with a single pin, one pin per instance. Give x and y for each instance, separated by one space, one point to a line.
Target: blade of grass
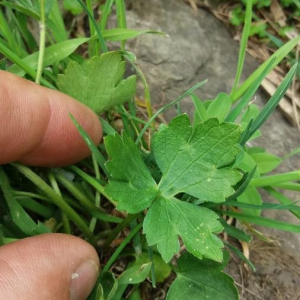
121 16
59 201
105 13
243 46
92 44
99 157
273 102
232 116
191 90
263 221
96 27
292 153
53 54
18 215
280 54
121 247
18 61
55 187
282 199
42 23
240 255
235 232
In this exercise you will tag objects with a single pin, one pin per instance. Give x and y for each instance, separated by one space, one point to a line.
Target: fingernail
83 280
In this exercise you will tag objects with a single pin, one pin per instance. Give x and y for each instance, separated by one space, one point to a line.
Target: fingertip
49 266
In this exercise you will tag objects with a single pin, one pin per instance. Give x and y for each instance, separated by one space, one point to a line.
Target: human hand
37 130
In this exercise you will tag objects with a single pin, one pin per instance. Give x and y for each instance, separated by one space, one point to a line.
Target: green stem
42 42
59 201
275 179
121 247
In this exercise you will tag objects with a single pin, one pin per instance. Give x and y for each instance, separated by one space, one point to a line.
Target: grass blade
53 54
282 199
273 102
99 157
244 40
188 92
121 16
97 29
18 61
280 54
263 221
232 116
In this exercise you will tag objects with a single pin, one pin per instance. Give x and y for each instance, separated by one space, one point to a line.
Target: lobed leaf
99 83
192 160
201 279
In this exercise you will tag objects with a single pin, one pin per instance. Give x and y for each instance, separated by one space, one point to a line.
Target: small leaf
121 34
201 280
251 196
73 6
266 162
220 107
162 270
98 83
135 274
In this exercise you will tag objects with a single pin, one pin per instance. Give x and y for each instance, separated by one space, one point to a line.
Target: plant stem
121 247
59 201
42 42
275 179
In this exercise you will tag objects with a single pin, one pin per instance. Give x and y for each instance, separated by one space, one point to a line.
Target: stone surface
199 47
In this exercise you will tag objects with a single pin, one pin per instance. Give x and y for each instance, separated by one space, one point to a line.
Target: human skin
36 130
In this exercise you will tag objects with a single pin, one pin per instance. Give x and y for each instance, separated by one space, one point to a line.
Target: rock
200 47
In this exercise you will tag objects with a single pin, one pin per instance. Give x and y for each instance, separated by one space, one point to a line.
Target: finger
48 267
35 125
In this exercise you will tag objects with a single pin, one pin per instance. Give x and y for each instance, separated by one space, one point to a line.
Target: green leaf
201 280
169 218
53 54
162 270
251 196
73 6
135 274
99 83
220 107
200 110
193 161
28 7
121 34
266 162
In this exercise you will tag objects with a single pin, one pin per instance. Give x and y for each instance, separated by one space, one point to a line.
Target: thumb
48 267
